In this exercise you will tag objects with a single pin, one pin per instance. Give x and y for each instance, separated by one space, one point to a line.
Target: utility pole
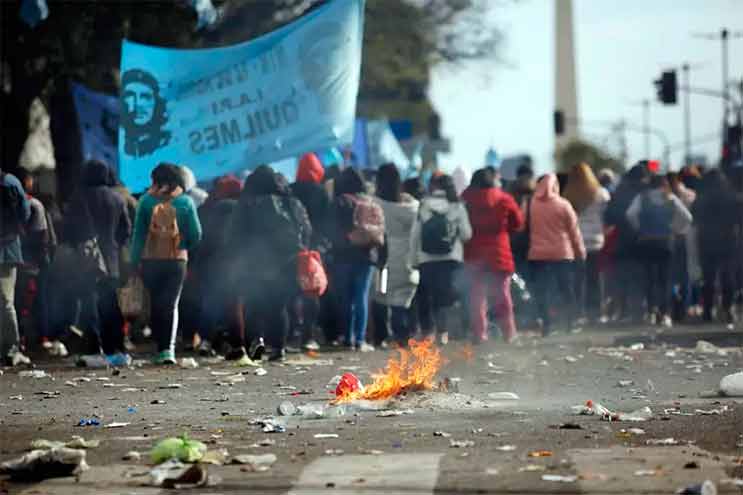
646 126
687 116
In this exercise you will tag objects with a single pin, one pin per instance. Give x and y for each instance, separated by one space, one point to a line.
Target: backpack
438 234
11 201
655 220
311 276
368 221
163 237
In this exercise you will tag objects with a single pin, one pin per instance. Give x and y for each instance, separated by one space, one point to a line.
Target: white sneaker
667 322
312 345
17 358
444 338
58 349
364 347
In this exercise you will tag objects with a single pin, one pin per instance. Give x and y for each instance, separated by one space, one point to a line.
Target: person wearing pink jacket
555 242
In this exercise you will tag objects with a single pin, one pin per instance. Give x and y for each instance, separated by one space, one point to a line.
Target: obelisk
566 97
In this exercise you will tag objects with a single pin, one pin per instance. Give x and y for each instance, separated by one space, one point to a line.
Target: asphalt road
415 452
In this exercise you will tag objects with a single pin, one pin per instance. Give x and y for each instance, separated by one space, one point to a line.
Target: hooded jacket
553 234
254 240
493 215
456 213
189 225
402 279
616 211
97 210
308 189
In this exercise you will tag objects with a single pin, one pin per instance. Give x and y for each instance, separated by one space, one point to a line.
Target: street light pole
687 117
646 126
724 38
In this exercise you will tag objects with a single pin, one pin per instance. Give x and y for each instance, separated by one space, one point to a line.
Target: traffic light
667 88
559 118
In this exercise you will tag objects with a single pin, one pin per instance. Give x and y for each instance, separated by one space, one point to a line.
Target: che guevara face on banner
143 114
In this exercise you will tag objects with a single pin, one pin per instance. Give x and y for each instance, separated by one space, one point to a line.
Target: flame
415 369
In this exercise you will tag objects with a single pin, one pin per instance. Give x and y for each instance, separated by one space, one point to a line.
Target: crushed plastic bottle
311 411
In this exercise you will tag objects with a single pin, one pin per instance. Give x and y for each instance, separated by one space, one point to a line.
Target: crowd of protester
219 271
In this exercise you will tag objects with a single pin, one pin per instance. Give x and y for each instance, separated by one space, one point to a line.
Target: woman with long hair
437 249
589 200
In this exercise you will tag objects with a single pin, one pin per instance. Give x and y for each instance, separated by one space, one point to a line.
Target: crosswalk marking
392 474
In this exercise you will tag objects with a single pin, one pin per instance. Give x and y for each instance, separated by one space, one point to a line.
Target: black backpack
11 201
283 234
438 234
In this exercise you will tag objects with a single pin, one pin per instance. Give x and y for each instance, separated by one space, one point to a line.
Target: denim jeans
562 273
353 281
8 319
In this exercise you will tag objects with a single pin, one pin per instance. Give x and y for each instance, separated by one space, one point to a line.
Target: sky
621 48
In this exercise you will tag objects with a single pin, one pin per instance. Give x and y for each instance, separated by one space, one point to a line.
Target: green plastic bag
181 448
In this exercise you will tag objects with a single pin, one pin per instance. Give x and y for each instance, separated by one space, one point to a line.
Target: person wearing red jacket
494 215
555 242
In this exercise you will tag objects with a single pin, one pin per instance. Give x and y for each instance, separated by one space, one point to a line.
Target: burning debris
414 370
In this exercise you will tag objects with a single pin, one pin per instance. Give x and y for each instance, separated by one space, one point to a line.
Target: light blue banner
226 109
98 120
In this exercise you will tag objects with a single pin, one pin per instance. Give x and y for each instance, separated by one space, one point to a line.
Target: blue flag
226 109
98 120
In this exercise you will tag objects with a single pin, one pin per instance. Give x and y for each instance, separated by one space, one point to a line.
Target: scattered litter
706 488
188 363
647 472
311 411
180 448
594 408
305 361
540 453
266 442
625 383
326 435
132 455
116 425
286 408
503 396
532 468
348 384
711 412
692 465
705 347
334 452
491 472
371 452
170 386
506 448
732 385
639 346
33 374
88 422
16 397
77 442
442 434
38 465
394 412
461 444
260 372
559 479
70 383
662 442
216 457
157 402
571 359
255 463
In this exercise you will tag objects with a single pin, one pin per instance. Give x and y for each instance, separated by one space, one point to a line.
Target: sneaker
246 361
120 360
364 347
257 348
312 345
16 358
235 354
58 349
128 344
166 357
444 338
76 331
46 343
277 356
666 322
205 349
